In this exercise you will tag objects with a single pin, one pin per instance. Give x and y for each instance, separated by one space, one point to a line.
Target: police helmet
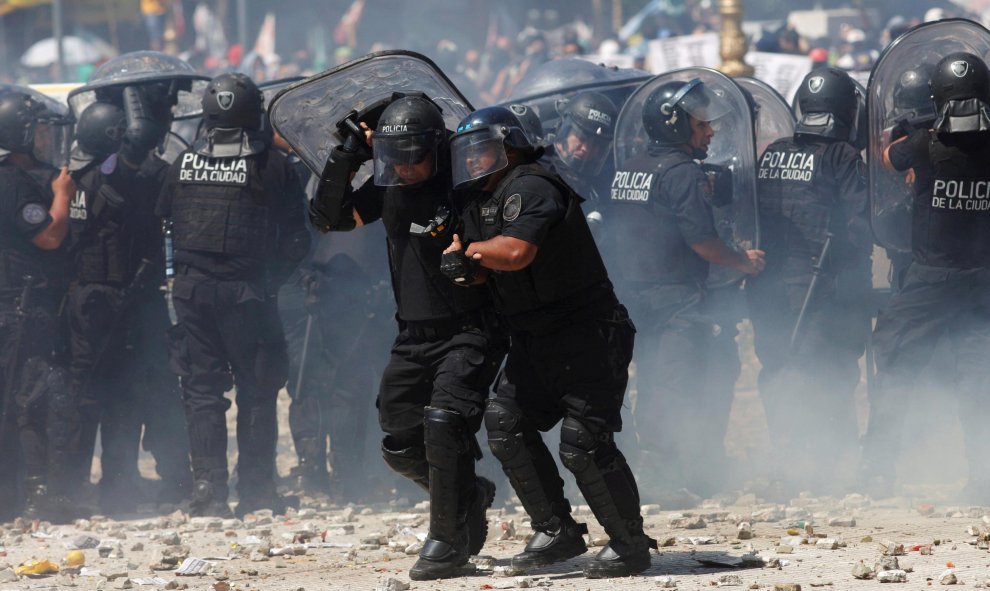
18 115
827 105
912 97
100 129
233 101
530 121
666 110
410 129
589 118
960 90
478 148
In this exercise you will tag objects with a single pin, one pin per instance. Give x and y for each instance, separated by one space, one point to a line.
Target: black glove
458 267
354 138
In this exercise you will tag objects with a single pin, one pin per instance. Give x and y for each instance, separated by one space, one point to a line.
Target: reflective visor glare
476 155
704 104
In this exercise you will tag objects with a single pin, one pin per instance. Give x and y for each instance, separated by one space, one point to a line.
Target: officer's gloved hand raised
457 266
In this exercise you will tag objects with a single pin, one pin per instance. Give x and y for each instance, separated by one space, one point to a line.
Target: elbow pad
332 209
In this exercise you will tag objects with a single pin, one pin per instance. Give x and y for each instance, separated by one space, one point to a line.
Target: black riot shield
307 113
899 101
733 148
173 77
774 119
53 128
561 79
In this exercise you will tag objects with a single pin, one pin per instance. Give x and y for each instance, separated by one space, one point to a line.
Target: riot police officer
431 399
34 228
582 143
663 200
116 312
814 222
571 343
238 232
946 291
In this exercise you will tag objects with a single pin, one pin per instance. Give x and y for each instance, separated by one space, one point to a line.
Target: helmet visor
705 104
582 151
404 160
52 140
475 155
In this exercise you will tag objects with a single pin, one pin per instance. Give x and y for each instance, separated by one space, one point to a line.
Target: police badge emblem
815 84
34 214
225 99
513 205
959 68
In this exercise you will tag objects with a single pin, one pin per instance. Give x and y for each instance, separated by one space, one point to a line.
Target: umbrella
75 51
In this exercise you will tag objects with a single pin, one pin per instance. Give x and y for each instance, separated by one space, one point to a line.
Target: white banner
782 71
684 51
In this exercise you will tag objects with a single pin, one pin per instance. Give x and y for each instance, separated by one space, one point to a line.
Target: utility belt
444 328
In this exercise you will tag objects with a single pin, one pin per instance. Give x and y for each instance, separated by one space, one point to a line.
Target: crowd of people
533 253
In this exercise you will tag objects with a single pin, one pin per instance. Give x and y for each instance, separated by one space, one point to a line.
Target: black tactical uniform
571 343
812 186
662 202
31 284
238 232
116 313
946 291
335 309
432 394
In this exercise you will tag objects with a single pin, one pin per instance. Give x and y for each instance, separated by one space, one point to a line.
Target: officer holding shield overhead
814 223
946 291
236 207
432 393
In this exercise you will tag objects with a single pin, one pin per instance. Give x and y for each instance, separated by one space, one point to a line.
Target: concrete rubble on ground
810 542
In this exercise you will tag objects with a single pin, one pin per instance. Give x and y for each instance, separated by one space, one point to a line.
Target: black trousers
229 334
936 305
121 382
808 389
350 327
452 372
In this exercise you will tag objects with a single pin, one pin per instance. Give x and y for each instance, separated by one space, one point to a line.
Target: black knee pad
409 462
584 444
506 428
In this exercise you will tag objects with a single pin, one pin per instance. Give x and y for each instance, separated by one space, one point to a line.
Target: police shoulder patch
34 214
512 207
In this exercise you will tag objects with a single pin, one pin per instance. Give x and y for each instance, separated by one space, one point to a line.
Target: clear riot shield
891 115
53 130
732 147
774 119
175 77
560 79
307 113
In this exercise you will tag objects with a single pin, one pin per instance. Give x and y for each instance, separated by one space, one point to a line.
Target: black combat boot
453 490
312 469
559 539
209 495
477 514
35 498
607 483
